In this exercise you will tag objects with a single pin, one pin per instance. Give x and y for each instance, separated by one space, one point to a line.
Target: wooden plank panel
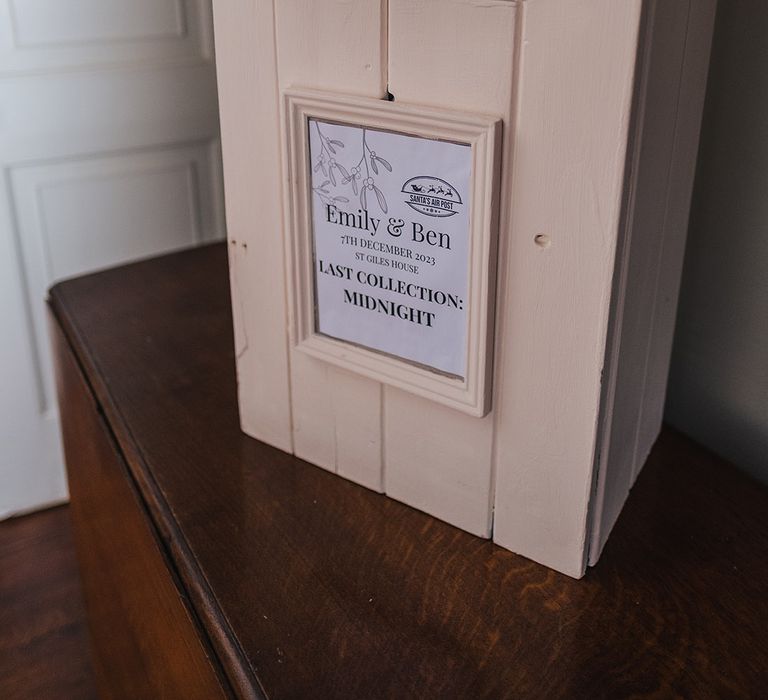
437 459
638 263
339 46
358 429
245 62
575 90
691 107
672 97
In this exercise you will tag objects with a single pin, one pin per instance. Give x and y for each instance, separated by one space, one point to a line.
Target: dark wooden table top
310 586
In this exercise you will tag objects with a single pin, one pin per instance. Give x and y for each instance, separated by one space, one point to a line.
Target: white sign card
391 239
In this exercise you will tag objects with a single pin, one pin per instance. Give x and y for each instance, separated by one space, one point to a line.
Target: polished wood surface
43 637
307 585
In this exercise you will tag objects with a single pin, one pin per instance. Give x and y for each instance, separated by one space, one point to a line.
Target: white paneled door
109 152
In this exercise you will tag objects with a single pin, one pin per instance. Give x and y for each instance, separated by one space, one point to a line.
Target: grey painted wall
718 390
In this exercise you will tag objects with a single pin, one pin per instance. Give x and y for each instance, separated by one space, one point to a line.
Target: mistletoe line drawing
369 183
325 196
327 161
369 161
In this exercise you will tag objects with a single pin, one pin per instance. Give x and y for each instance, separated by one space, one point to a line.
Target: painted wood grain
693 83
675 64
439 460
575 90
245 61
338 46
637 263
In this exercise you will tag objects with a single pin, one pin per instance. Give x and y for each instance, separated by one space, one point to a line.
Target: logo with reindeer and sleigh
431 196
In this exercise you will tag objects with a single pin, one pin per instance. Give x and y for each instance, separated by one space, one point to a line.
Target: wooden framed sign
391 226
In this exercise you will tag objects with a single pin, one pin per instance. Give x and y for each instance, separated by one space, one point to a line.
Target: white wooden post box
456 232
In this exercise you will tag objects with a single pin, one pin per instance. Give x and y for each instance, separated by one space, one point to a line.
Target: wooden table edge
205 610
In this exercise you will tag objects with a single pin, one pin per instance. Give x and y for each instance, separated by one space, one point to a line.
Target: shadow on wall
718 390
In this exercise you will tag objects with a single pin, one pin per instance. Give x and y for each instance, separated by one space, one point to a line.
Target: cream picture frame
471 393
